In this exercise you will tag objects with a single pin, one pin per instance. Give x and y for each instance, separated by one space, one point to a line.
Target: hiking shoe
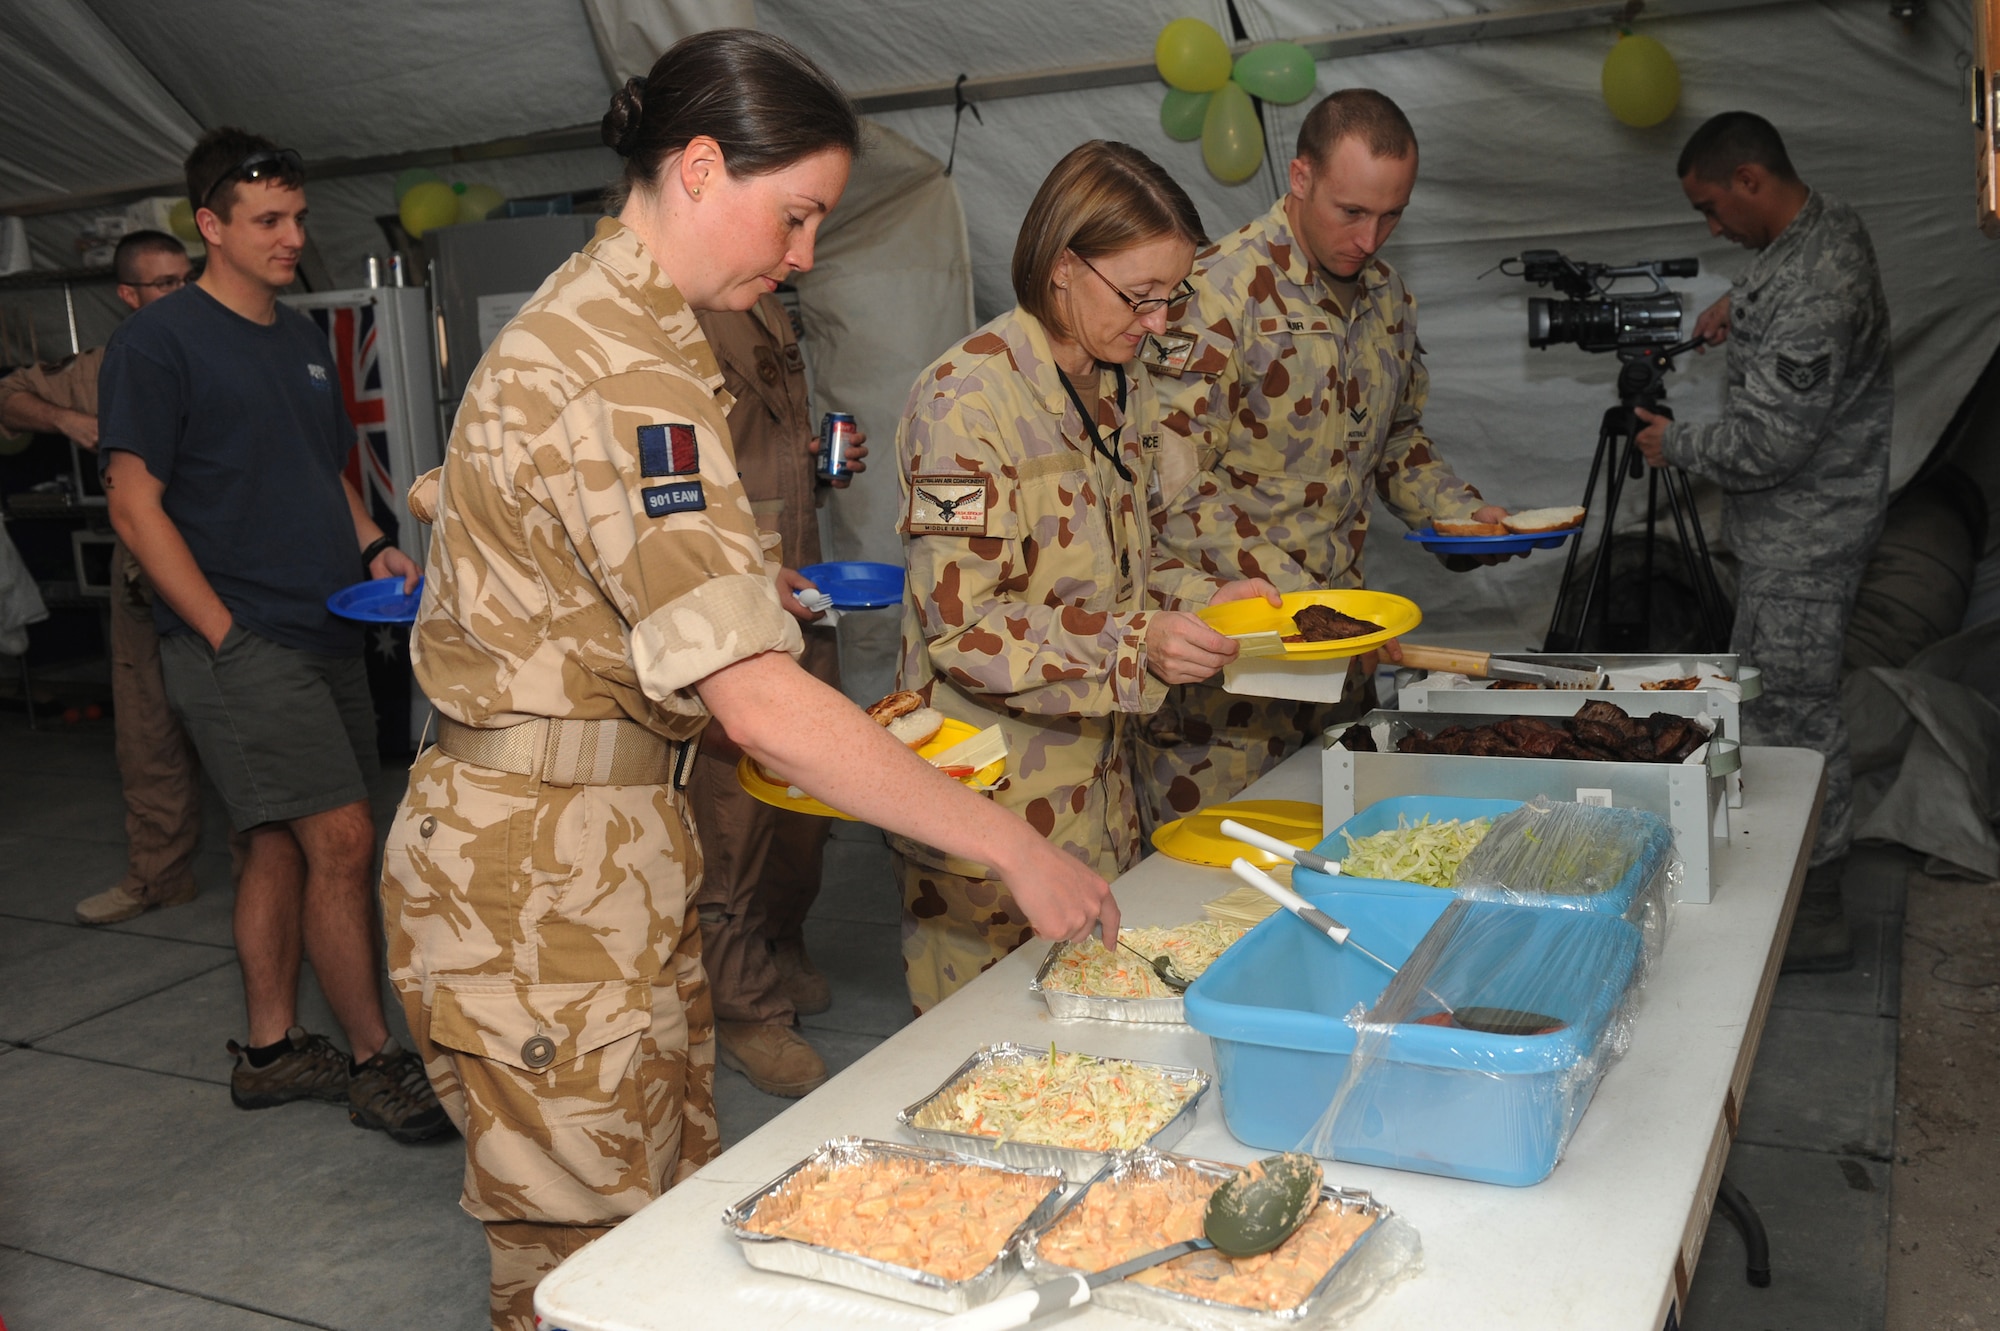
312 1069
118 903
391 1094
775 1059
799 980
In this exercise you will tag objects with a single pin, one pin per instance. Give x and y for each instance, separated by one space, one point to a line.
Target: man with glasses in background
1295 371
156 763
222 442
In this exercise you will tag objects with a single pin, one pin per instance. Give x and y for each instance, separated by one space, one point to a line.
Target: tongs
1485 665
1320 921
1284 850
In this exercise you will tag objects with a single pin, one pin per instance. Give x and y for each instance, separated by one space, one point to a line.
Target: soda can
836 431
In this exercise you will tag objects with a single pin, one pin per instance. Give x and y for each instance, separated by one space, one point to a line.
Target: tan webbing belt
573 753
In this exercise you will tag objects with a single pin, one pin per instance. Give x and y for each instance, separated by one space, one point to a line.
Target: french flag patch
668 450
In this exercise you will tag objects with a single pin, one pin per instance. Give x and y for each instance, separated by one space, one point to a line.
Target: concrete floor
132 1194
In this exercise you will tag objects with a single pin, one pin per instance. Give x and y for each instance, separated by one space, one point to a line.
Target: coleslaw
1069 1100
1424 852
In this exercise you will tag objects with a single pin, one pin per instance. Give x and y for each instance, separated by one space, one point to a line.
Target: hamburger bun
1467 527
918 728
1533 521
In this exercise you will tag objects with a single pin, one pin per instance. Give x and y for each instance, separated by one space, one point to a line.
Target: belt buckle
552 771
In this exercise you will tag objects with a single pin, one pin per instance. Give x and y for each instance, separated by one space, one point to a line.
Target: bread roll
1467 527
918 728
1531 521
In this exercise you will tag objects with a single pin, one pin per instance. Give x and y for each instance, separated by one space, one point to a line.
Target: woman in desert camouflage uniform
1031 461
597 591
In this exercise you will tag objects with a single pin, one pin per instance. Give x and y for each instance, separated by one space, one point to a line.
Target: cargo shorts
544 943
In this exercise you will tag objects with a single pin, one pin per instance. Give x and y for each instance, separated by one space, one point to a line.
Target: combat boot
775 1058
1820 943
800 981
119 902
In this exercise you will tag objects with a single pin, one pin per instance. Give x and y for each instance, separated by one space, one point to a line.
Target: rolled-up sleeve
638 472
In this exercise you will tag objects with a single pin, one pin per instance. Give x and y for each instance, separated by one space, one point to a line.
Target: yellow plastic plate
752 778
1198 838
1396 614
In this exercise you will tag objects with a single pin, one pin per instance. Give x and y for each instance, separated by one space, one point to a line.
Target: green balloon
1191 56
476 202
1279 72
1232 138
1181 114
411 177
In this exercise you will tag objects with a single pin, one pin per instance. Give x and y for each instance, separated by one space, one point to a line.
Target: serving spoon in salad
1163 966
1251 1212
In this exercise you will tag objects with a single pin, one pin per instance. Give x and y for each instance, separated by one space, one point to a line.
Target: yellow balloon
478 203
1232 138
180 221
1642 84
1192 56
430 204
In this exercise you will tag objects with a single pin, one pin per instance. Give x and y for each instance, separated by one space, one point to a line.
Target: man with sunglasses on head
222 439
156 764
1295 371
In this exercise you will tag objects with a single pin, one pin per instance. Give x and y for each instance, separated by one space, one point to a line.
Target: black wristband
375 547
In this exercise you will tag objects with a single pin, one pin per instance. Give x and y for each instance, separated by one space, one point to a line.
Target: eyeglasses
1140 307
162 284
264 164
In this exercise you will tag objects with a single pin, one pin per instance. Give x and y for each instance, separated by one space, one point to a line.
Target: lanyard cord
1097 444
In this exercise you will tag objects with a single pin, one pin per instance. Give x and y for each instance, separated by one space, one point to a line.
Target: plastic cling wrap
1477 1065
1582 856
1486 1047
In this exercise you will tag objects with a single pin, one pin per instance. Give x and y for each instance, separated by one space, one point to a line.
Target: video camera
1592 317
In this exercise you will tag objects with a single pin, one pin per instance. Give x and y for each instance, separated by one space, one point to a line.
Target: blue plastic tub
1629 898
1461 1103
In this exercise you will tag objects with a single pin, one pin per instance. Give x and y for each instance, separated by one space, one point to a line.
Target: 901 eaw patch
668 450
951 504
673 497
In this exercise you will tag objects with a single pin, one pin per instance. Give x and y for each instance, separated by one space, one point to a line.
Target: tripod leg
1617 439
1555 640
1700 565
1652 528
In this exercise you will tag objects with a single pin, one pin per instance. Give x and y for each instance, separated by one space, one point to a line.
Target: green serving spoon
1251 1212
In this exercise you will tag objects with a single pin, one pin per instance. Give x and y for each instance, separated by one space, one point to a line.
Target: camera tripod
1641 383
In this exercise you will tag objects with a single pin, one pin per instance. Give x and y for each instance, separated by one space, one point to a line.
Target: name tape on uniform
947 505
668 450
673 497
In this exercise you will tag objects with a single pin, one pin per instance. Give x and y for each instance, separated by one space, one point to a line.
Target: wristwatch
375 547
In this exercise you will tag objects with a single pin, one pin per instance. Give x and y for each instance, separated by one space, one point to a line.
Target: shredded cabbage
1427 853
1090 968
1071 1100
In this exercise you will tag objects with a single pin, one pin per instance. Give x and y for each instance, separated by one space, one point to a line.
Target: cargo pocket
558 1106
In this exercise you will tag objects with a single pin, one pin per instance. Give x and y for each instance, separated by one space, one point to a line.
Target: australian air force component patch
1169 351
952 504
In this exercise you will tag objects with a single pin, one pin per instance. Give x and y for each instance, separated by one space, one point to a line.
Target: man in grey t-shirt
1802 456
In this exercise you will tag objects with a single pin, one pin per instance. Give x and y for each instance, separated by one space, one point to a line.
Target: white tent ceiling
1518 151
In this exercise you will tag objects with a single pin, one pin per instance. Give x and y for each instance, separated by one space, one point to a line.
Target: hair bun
620 127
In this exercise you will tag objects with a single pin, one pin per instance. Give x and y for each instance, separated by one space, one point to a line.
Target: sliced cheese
989 746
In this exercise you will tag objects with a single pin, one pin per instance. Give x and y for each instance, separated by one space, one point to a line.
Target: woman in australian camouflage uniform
597 591
1031 460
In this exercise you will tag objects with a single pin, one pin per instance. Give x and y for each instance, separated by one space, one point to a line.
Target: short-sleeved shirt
1303 402
592 555
70 384
243 424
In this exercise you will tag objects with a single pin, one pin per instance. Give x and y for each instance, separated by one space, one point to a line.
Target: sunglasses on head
264 164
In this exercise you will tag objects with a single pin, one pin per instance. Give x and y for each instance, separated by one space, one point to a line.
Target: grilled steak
1322 623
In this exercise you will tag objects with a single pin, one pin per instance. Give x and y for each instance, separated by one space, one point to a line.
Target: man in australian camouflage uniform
593 558
1295 371
1802 456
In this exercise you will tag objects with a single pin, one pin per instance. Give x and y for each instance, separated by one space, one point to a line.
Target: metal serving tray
1065 1006
1076 1163
1689 795
1414 693
768 1252
1186 1310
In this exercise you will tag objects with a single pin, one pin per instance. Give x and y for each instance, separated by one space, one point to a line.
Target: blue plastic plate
1489 545
856 584
378 602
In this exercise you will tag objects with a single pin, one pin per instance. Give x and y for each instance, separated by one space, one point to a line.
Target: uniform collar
618 249
1028 345
1291 260
1773 255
